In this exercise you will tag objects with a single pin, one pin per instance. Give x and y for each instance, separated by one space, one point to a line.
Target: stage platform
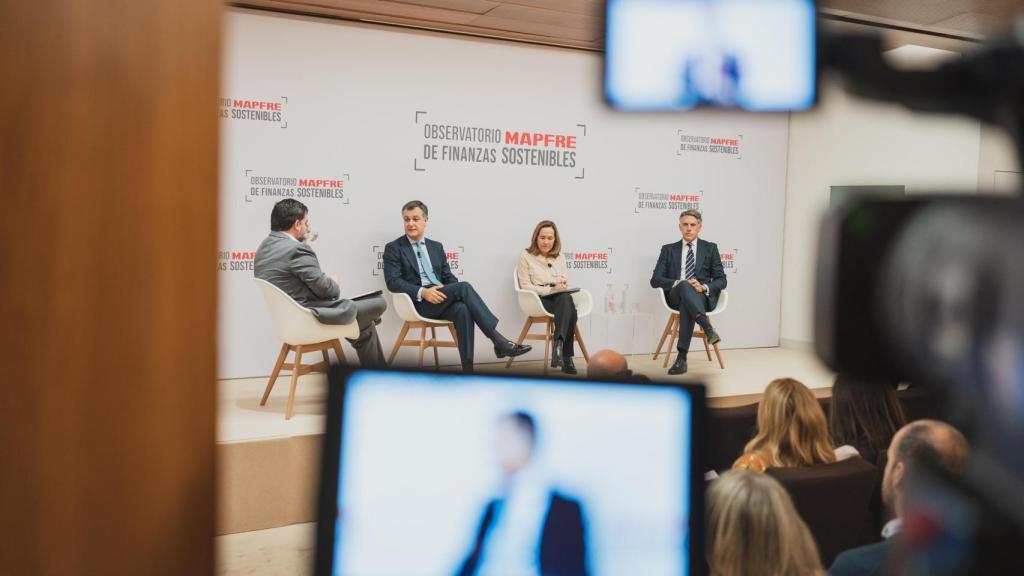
268 465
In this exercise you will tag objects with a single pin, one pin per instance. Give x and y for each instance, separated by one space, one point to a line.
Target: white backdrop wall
849 141
342 117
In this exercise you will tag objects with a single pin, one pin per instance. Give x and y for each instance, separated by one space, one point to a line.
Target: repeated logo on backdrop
718 144
455 142
277 187
667 201
596 260
236 261
261 111
730 259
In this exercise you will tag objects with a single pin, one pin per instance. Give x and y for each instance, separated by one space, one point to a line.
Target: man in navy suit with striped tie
691 274
419 267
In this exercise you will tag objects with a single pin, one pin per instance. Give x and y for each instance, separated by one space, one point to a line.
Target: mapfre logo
261 111
303 188
667 201
730 145
456 261
596 260
730 260
236 261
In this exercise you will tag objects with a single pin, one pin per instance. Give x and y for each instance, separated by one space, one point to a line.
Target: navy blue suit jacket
562 543
402 272
708 270
863 561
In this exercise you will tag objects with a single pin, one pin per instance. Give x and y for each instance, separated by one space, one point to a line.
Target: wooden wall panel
108 172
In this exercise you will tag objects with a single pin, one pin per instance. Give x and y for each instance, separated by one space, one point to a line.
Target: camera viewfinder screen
479 475
665 55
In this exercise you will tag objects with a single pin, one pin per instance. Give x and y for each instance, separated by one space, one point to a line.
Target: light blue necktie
424 265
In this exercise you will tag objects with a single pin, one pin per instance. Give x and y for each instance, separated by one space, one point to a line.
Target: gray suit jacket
292 266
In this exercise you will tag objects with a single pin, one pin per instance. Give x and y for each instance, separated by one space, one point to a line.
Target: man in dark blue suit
691 274
419 267
530 528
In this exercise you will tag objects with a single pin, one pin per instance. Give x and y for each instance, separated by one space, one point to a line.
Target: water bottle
609 300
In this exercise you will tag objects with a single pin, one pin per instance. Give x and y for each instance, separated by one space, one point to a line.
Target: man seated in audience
914 443
610 365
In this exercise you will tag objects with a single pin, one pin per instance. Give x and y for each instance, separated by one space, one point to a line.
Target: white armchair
300 332
403 306
672 328
530 304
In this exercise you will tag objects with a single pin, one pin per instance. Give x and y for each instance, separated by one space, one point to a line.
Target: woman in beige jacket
542 269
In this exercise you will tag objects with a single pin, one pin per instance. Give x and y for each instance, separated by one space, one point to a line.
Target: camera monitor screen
473 475
668 55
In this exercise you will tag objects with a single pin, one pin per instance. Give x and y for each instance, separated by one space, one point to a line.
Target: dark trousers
367 345
564 309
464 308
692 307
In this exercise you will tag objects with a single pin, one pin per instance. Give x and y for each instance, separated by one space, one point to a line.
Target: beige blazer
534 273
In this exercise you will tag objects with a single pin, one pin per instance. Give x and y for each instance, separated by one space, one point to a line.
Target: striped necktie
691 263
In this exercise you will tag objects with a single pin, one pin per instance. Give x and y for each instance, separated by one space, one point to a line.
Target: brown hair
694 213
865 415
556 248
791 427
414 204
753 529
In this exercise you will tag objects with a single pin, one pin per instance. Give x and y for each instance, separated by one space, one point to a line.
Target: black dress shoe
567 366
511 349
713 337
679 366
556 354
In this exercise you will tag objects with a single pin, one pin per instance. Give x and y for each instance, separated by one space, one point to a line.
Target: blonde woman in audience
791 431
754 530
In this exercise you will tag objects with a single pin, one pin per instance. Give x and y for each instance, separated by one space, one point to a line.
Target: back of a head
754 530
932 440
791 426
864 413
607 365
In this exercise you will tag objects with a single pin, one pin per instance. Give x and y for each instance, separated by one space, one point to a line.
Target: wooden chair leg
583 347
423 343
547 343
433 340
336 344
673 334
398 343
273 375
455 335
295 382
664 335
707 350
327 358
718 353
522 338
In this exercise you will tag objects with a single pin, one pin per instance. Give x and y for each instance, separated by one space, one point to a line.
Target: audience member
918 441
791 430
865 415
754 530
610 365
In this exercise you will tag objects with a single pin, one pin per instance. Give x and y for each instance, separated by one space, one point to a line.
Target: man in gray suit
286 261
